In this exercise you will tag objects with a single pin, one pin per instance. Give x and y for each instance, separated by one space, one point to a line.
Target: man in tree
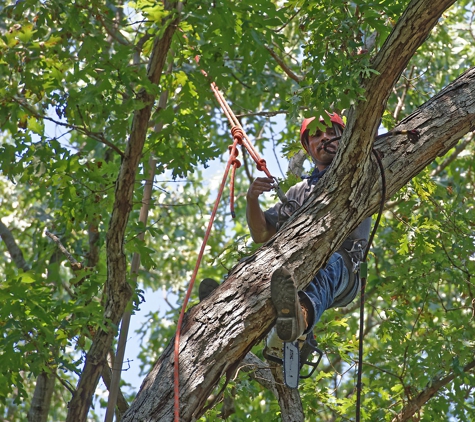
336 284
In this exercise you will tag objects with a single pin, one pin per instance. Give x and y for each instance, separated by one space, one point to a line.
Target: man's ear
305 139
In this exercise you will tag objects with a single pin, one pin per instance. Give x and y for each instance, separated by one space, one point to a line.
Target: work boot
291 322
207 286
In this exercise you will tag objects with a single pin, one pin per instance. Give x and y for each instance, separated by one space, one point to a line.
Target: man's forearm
260 230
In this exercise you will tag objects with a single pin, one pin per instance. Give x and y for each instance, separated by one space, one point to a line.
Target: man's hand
259 186
261 231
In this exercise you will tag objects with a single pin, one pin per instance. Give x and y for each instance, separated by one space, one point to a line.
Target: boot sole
207 286
284 297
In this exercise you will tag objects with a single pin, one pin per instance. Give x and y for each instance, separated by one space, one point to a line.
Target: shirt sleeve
298 192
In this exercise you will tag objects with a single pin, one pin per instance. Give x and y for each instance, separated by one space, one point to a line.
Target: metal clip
280 193
356 254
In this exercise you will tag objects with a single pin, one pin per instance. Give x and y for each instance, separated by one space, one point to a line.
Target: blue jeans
327 284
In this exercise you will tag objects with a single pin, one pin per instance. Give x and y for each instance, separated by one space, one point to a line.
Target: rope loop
236 163
261 165
230 149
237 134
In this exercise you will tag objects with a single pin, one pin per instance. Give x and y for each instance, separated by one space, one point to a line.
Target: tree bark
118 290
291 409
218 333
41 401
13 249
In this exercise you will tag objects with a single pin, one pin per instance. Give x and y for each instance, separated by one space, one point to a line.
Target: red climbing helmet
334 118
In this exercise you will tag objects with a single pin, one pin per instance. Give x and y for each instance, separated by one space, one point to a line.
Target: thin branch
122 404
288 21
13 249
75 264
427 393
383 370
167 301
470 25
240 81
275 154
267 113
114 33
259 371
98 136
66 384
400 102
283 65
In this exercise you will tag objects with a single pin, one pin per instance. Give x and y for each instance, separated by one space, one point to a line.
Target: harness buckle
356 252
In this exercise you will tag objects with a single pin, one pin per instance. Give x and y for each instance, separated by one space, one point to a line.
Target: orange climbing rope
239 138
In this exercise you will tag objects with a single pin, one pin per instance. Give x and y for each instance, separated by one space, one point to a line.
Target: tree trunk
291 409
41 401
216 338
117 287
218 333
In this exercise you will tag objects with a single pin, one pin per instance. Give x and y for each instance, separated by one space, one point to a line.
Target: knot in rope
261 165
234 161
237 134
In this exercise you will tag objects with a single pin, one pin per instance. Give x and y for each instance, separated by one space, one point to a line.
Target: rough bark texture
259 371
41 401
291 409
117 288
122 404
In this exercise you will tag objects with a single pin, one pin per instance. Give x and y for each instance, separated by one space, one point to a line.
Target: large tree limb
118 290
219 332
41 401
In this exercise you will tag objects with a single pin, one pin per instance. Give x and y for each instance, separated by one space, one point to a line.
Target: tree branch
119 291
75 264
242 312
289 398
283 65
94 135
113 32
259 371
423 397
12 247
458 149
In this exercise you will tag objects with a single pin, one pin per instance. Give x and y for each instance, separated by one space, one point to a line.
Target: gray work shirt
300 192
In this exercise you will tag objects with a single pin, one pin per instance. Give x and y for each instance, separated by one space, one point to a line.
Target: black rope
363 284
413 137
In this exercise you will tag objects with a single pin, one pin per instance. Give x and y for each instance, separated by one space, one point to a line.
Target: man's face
315 146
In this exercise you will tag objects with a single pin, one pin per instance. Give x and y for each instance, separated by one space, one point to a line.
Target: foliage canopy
72 77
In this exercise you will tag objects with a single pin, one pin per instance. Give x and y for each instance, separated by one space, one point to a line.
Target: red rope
240 138
192 282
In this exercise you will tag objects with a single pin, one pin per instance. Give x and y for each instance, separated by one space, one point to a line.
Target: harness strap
352 252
